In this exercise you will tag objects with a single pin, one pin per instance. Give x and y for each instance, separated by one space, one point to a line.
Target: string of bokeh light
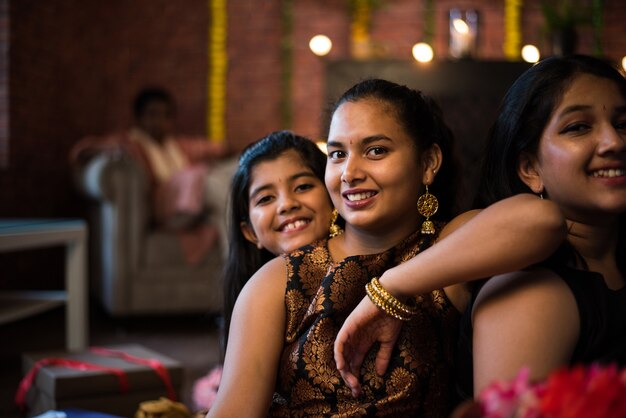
321 45
530 53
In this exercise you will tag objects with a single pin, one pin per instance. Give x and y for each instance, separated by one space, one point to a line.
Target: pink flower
515 399
205 388
579 392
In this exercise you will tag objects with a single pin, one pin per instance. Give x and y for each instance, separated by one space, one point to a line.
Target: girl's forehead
589 89
287 162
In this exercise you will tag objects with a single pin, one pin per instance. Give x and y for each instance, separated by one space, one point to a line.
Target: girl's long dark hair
244 258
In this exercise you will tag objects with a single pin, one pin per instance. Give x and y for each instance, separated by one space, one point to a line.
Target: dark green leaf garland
286 63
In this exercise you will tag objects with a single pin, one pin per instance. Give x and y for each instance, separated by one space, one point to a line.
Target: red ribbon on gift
155 364
27 381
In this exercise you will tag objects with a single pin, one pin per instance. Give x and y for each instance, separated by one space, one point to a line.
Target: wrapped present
112 379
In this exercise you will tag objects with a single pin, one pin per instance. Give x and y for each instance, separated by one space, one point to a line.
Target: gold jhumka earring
427 206
334 229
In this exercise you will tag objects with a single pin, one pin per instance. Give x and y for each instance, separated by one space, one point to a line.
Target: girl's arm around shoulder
523 212
506 236
523 319
255 345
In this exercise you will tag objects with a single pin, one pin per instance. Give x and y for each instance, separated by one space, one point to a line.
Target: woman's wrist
387 302
390 282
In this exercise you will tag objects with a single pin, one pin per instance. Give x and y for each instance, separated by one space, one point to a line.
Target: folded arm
506 236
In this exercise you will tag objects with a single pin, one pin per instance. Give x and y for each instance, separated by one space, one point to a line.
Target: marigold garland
360 26
286 63
597 23
218 61
429 22
512 29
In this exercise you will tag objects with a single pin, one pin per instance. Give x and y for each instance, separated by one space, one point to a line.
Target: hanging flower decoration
286 63
512 29
596 20
218 61
579 392
360 26
429 21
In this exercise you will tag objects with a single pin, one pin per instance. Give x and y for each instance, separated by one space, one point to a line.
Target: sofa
135 268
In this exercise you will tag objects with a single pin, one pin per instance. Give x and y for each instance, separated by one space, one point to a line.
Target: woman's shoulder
267 278
532 287
527 304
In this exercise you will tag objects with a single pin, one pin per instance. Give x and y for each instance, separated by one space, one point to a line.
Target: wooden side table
21 234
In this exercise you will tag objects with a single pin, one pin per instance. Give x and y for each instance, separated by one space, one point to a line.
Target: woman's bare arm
523 319
506 236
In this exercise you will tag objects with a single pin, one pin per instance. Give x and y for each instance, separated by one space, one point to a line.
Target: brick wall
74 66
397 25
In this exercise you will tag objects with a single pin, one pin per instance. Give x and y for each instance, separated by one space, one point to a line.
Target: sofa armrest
120 217
98 178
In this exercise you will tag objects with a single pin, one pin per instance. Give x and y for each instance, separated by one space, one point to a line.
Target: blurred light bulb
320 45
624 63
422 52
530 53
460 26
322 146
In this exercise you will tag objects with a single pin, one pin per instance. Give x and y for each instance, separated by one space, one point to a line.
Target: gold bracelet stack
388 302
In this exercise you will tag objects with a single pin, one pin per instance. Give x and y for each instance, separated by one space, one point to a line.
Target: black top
320 294
602 313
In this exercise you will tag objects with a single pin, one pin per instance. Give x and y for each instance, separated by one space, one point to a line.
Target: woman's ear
431 163
529 173
249 234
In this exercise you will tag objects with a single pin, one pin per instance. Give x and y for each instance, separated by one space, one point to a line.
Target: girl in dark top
561 134
387 144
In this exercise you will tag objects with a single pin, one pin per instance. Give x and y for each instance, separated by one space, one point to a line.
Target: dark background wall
74 66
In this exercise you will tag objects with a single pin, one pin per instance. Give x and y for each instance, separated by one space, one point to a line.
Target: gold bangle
384 305
380 303
391 299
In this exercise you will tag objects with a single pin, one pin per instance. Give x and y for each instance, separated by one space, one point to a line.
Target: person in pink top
189 176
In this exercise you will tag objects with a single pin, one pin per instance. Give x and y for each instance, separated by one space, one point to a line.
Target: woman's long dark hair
524 113
244 258
422 119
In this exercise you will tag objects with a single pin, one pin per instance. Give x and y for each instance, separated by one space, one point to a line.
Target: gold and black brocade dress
319 296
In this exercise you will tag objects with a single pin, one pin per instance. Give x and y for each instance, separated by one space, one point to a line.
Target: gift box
111 379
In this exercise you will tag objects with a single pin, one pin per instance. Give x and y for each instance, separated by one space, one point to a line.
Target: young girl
561 134
278 203
386 145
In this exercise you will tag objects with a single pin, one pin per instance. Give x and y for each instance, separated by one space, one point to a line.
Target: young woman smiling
387 145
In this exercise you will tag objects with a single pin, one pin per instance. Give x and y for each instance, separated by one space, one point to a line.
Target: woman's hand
364 326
